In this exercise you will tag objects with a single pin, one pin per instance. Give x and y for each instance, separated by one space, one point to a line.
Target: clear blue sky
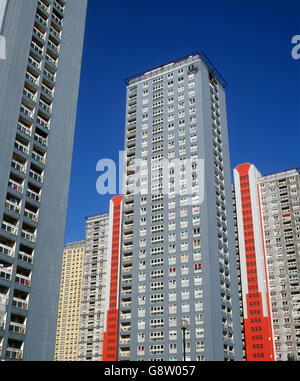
248 41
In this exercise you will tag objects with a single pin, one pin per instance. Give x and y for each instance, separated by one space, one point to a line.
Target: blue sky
248 41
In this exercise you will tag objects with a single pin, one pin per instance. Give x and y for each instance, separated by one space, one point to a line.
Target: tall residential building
68 318
272 204
111 312
178 258
279 195
38 99
257 320
94 288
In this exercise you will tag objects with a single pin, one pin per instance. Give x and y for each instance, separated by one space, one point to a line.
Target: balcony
36 64
17 328
20 303
47 90
2 325
41 20
28 236
27 111
9 228
57 20
23 280
49 75
45 106
14 354
7 250
5 272
38 157
37 48
39 34
53 46
125 341
33 195
12 206
55 32
42 122
21 147
3 299
124 353
127 247
51 60
26 130
31 215
42 5
59 7
31 78
25 257
125 316
34 175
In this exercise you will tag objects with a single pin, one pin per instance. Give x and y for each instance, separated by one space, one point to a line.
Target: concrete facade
38 100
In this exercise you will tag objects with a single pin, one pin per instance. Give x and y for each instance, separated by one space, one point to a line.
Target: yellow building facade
68 318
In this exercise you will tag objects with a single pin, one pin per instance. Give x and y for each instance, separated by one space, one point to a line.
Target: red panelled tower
110 338
256 301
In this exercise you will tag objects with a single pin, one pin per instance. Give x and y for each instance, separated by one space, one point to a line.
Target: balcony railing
39 34
14 354
35 196
9 227
29 214
41 20
32 79
55 32
38 157
21 279
23 128
42 122
53 46
45 106
59 7
29 95
57 20
49 75
20 303
3 299
36 48
42 5
12 206
51 60
27 111
29 236
5 273
25 257
36 176
21 148
6 250
34 62
17 328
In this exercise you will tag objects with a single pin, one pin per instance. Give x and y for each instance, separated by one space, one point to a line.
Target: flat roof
202 56
280 173
99 215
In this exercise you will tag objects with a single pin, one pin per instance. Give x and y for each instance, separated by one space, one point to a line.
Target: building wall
68 318
44 272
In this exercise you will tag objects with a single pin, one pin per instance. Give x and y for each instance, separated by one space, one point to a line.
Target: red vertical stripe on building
258 331
110 337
